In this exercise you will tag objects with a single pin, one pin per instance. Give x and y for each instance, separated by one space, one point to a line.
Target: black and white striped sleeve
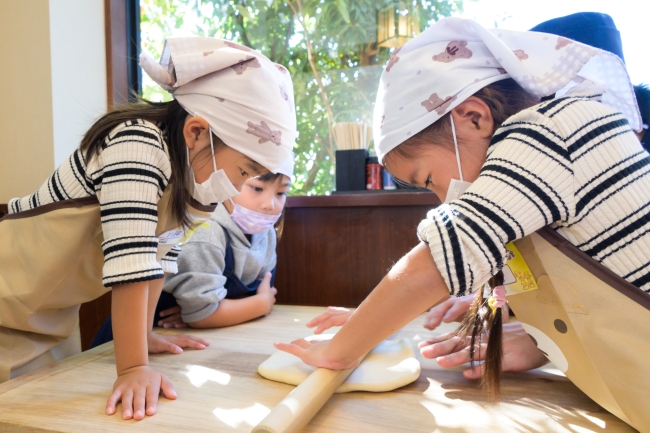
169 261
130 176
526 183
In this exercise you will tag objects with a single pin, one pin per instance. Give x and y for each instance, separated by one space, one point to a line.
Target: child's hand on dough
334 316
315 353
266 294
171 318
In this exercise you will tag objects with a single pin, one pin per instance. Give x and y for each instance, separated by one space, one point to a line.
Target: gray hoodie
199 284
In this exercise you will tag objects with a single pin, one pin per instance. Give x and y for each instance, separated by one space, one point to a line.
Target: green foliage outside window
328 46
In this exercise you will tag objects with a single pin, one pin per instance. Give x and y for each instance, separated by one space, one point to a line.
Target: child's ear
195 130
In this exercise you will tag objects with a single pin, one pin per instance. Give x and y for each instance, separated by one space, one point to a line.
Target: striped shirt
571 163
128 176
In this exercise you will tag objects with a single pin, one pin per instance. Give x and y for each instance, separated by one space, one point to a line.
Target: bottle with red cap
373 173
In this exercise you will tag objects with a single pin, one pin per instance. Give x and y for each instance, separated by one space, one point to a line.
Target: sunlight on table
235 417
199 375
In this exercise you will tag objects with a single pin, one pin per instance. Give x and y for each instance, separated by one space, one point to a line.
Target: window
331 48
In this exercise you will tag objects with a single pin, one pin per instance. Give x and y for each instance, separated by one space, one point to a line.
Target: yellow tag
517 277
190 232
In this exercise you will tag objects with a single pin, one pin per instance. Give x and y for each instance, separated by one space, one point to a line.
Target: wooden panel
116 52
335 249
219 390
91 316
371 199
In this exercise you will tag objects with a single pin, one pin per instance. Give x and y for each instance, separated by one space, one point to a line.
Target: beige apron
51 261
592 324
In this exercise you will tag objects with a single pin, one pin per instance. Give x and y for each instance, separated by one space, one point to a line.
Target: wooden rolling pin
293 413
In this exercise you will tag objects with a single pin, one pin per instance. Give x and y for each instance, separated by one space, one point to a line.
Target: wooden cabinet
335 249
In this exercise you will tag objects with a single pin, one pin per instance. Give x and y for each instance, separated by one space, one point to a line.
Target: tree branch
240 21
296 7
311 177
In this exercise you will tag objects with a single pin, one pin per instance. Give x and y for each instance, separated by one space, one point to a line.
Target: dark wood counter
334 249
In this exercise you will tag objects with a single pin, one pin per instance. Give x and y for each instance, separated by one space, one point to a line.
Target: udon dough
388 366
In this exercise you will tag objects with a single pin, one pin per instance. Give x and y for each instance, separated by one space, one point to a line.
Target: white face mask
456 187
217 188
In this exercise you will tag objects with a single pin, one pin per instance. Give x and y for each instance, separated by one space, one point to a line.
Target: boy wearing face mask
226 269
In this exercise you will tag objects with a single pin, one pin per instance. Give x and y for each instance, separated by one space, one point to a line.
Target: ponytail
484 317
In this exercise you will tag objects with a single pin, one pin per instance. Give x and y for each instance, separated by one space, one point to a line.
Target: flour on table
390 365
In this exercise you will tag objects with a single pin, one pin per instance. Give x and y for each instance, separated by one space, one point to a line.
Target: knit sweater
571 163
199 284
128 176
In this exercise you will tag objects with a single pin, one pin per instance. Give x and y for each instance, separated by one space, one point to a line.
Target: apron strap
234 286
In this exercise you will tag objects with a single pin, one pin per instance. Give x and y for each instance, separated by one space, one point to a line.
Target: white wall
78 53
26 151
53 75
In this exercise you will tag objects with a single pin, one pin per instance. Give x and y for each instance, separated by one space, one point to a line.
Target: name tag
171 237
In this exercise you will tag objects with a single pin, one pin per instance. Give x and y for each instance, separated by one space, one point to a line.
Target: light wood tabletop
219 390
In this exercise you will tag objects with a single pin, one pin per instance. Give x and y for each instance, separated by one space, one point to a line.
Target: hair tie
498 298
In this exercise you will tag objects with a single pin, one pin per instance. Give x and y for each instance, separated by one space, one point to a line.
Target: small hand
159 343
335 316
137 388
172 318
519 351
314 353
266 293
453 310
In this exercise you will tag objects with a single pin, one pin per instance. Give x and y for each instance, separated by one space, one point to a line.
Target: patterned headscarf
454 58
246 99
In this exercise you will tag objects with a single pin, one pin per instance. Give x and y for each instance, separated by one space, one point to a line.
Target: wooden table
219 390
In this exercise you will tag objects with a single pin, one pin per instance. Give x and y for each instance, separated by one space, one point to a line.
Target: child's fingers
442 348
303 343
327 324
172 318
437 339
115 397
317 320
455 359
435 315
187 340
152 399
196 339
168 312
171 348
138 403
274 290
180 325
167 388
193 344
457 309
290 348
127 404
460 356
474 373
